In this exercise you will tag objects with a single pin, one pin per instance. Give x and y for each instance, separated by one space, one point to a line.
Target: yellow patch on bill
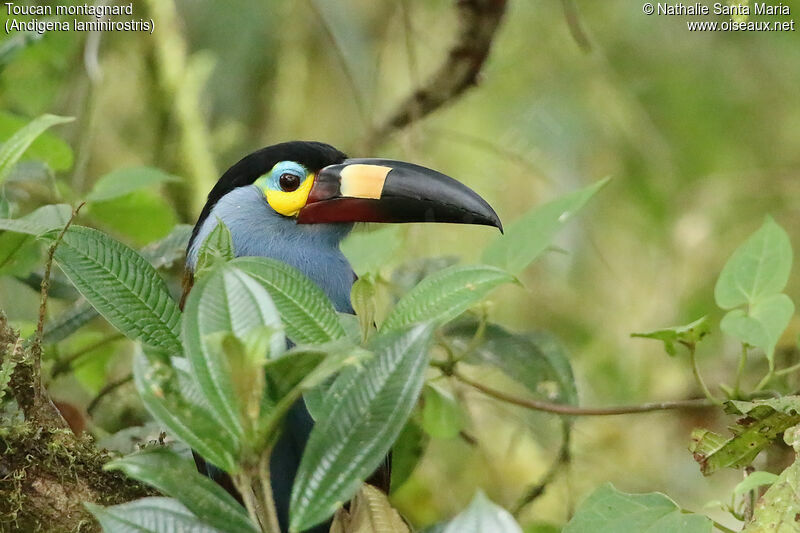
363 181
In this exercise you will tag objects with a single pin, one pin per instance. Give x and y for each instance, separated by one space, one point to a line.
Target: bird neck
259 231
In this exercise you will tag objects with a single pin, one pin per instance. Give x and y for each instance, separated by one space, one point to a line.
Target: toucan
295 202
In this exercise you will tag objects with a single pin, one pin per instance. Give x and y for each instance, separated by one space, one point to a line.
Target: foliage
157 116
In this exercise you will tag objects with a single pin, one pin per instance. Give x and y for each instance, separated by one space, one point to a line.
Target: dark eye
289 182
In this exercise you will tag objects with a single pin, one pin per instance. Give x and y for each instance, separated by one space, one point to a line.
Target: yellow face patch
289 203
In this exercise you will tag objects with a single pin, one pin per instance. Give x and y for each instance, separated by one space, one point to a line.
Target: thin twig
65 364
562 459
478 21
106 390
36 348
571 410
698 377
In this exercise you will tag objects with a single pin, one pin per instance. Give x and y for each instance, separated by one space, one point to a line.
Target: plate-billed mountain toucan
295 202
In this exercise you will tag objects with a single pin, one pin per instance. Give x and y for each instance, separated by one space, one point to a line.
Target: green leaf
161 254
227 300
608 510
762 422
164 252
123 181
407 452
442 417
763 324
482 516
777 510
364 411
154 515
121 285
306 312
369 251
362 298
755 480
217 247
758 268
529 236
142 216
47 147
13 148
160 388
178 477
535 360
444 295
689 334
40 221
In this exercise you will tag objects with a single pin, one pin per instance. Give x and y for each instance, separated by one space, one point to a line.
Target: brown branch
562 459
478 21
571 410
36 348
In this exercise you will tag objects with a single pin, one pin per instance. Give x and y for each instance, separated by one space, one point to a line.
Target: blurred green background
699 131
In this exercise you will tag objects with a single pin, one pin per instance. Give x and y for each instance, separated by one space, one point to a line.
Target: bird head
311 183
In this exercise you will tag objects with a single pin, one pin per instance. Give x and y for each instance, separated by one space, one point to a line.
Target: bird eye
289 182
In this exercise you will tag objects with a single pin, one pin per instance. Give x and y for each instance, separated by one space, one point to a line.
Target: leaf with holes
121 285
444 295
364 411
760 423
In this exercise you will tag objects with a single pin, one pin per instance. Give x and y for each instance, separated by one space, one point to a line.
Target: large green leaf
161 254
536 360
482 516
758 268
13 148
165 397
122 286
364 411
444 295
123 181
154 515
306 312
608 510
178 477
760 422
777 511
529 236
225 301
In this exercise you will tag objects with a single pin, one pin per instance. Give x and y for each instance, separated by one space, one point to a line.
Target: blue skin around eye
281 168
